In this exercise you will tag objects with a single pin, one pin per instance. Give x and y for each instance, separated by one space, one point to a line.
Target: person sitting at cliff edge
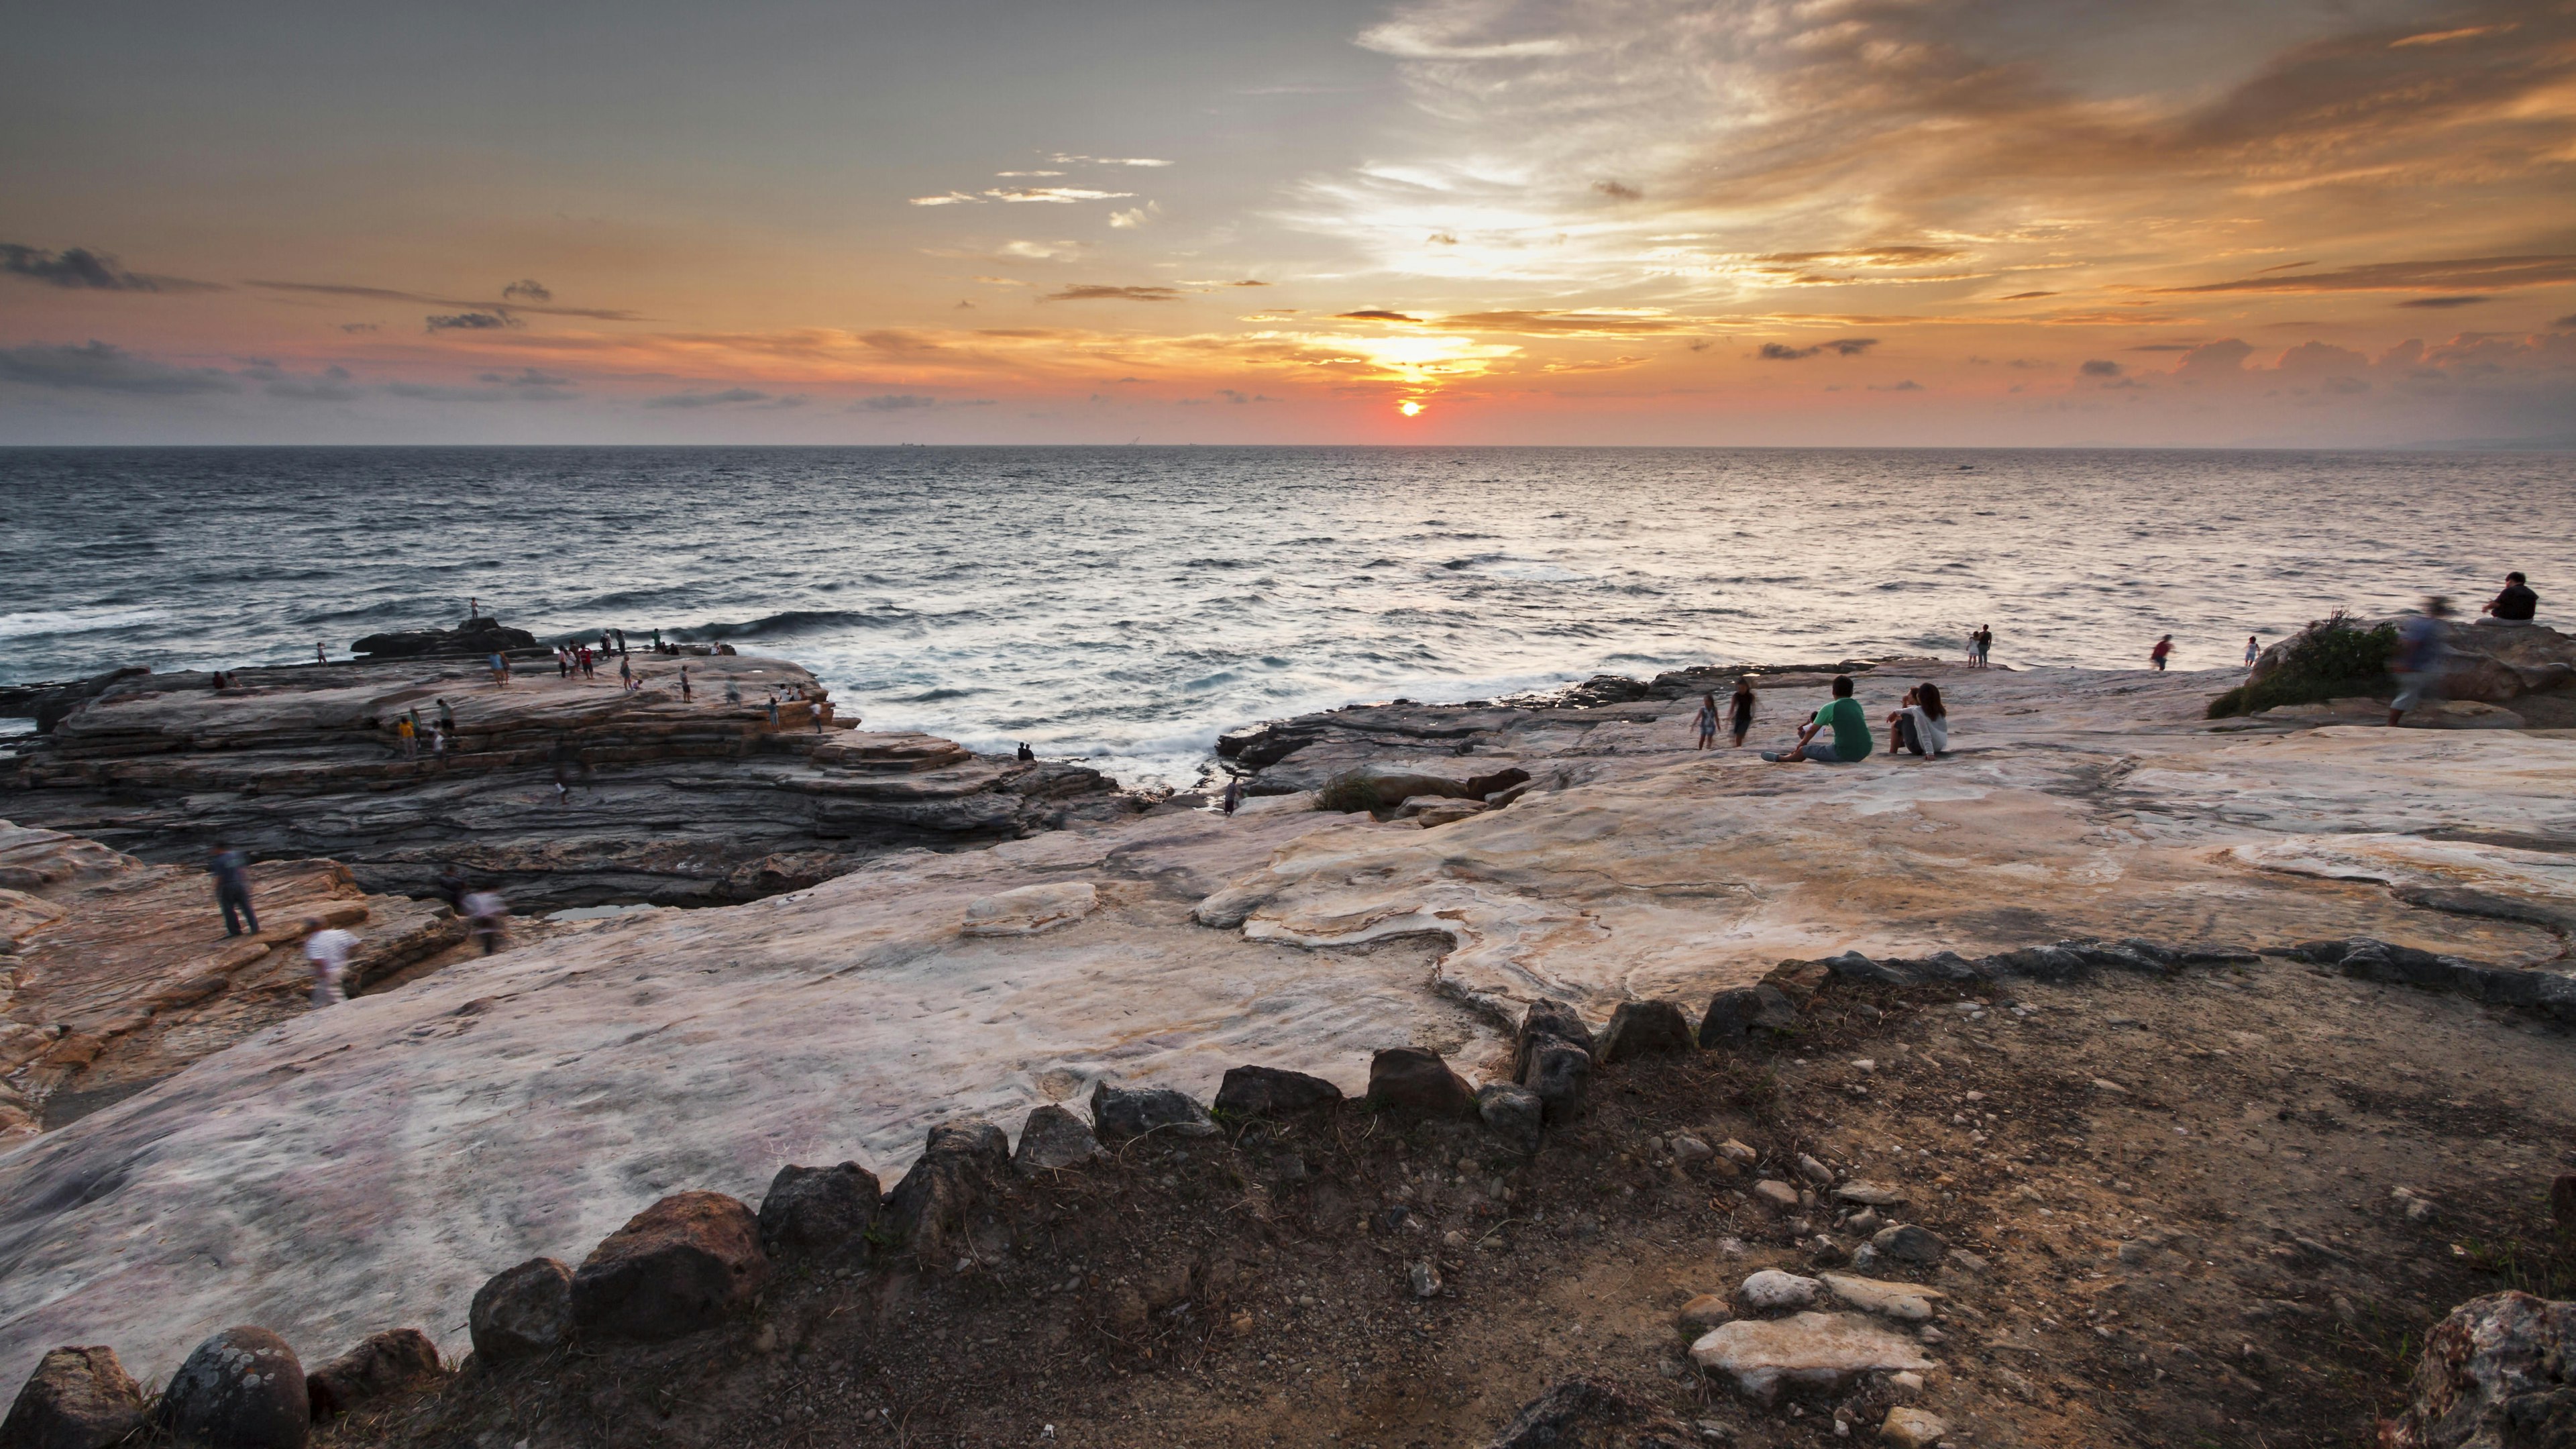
1850 742
2514 604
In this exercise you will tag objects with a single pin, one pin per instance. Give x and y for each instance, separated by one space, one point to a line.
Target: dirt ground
2215 1209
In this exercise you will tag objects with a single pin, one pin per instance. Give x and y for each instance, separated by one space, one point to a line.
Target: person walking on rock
2162 652
1232 799
409 734
484 911
500 665
326 950
2422 645
231 870
1706 719
1740 710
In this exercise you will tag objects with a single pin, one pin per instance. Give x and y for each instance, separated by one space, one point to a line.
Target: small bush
2331 659
1347 793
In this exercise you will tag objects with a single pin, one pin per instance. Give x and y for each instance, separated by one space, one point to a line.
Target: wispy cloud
732 397
1840 347
104 367
80 268
1067 160
1095 293
527 290
472 321
2455 274
387 294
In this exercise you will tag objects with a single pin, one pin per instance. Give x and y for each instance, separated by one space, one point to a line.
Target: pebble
1776 1193
1736 1152
1814 1171
1425 1278
1908 1243
1871 1194
1771 1289
1687 1150
1910 1428
1704 1312
1904 1302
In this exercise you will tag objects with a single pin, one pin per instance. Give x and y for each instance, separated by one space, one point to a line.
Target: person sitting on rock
1850 741
1922 725
2515 604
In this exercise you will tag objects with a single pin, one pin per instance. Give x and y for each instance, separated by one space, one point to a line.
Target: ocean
1123 605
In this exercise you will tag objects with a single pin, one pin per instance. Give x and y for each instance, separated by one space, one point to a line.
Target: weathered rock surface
1030 909
1771 1290
1812 1350
522 1312
78 1398
1910 1428
1904 1302
120 972
383 1363
684 1264
2498 1373
819 1210
709 1047
1515 1113
672 801
241 1389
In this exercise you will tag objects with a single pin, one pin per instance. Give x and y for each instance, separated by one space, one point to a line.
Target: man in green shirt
1850 741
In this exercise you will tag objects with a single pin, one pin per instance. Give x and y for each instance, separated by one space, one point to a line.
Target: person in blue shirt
231 870
2421 647
1849 741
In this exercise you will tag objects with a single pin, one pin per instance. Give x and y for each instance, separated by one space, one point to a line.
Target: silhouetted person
231 870
2516 604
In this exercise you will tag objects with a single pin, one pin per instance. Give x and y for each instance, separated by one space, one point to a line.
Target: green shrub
1347 793
2333 658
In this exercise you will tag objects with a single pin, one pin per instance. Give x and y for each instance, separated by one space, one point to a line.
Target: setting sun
1409 408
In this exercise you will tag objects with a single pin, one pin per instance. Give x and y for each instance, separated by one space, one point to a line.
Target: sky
2340 223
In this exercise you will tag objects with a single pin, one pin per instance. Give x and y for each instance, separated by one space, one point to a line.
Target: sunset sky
2258 222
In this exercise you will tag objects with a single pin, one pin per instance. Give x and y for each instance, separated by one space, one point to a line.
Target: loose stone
521 1313
1771 1290
241 1389
1812 1350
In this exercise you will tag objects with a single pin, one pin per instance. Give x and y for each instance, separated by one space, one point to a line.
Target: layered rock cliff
561 791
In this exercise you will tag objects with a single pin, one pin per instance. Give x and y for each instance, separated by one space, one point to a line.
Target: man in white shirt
326 950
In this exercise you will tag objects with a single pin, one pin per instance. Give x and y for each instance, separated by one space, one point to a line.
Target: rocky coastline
2210 1056
667 800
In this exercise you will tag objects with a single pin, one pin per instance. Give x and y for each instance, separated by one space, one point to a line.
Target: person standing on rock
318 656
2422 645
409 734
484 911
773 709
231 870
684 684
326 950
1706 719
2253 651
625 673
1739 710
446 716
2162 652
1850 742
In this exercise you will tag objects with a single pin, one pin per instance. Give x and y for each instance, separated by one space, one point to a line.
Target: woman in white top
1923 725
327 951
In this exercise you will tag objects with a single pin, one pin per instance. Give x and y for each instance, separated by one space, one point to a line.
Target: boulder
1271 1092
481 634
1904 1302
1514 1113
1808 1350
963 1165
1734 1016
819 1209
382 1363
683 1265
1381 787
1121 1113
1410 1079
1641 1028
78 1398
1054 1138
2500 1371
1561 1074
1030 909
241 1389
521 1313
1907 1243
1772 1290
1799 980
1546 1018
1912 1428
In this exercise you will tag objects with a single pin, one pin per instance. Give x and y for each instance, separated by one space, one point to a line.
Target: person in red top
2162 652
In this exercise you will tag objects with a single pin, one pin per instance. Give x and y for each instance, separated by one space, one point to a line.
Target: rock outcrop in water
666 799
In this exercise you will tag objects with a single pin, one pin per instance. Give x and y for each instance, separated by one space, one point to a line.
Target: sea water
1123 605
